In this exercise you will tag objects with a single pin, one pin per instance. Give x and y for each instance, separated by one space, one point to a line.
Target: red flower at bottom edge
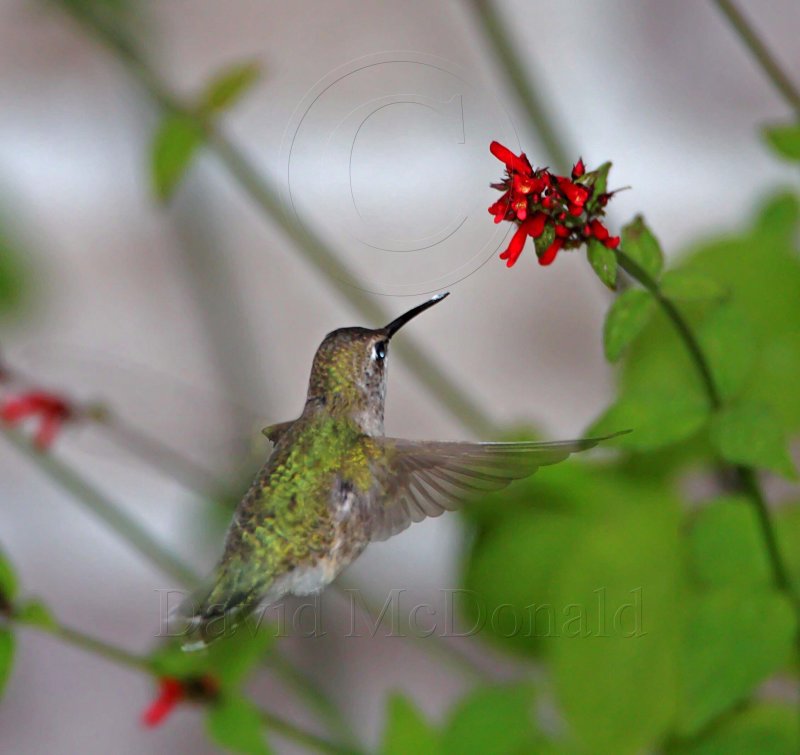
171 692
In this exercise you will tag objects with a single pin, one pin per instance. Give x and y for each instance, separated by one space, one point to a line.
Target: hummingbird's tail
210 613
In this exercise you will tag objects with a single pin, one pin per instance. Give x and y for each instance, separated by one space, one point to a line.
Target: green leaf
658 418
35 613
749 434
639 243
763 729
599 179
8 580
784 139
604 262
727 340
544 239
726 546
626 318
6 657
407 730
492 719
734 641
615 673
175 144
689 286
234 723
228 86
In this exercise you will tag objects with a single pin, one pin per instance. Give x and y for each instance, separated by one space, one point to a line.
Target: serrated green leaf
407 730
174 145
726 546
734 641
235 724
626 318
8 580
762 729
6 657
784 139
603 261
658 418
689 286
749 434
492 719
228 86
639 243
35 613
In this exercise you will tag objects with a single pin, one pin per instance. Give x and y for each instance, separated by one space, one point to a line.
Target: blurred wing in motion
427 478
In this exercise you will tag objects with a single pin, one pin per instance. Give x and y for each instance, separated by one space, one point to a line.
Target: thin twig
761 53
521 79
266 197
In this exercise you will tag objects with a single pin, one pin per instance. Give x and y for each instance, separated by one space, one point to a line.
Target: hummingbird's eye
379 351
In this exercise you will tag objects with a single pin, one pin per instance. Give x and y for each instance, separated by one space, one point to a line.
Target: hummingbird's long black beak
398 323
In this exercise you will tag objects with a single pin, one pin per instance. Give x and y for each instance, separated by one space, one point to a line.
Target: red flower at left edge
51 411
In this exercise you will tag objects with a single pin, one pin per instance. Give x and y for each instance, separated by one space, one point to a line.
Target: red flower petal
170 694
550 253
579 169
575 194
511 255
599 231
512 162
612 243
500 207
535 225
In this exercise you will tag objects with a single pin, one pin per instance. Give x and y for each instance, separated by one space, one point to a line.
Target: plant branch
93 500
144 664
748 481
761 53
521 79
264 195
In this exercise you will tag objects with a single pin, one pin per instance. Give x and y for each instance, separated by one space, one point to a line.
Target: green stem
264 195
748 481
521 79
93 500
760 52
142 663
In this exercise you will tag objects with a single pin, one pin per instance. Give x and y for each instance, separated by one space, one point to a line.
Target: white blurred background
176 313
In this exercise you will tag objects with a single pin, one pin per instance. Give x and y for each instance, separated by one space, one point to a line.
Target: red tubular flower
598 230
51 410
612 242
513 163
550 253
577 195
511 254
579 169
171 692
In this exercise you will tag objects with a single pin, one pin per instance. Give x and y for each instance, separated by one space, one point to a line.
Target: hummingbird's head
348 375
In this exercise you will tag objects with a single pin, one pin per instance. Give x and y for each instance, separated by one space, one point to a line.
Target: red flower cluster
49 409
557 212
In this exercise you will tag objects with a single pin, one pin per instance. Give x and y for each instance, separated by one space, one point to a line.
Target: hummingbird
334 482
